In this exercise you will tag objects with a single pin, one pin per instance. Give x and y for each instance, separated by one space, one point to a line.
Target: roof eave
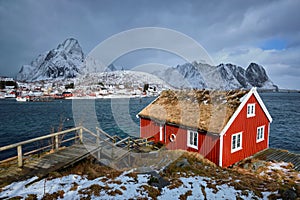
254 92
178 125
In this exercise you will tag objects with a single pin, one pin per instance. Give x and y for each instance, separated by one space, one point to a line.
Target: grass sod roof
204 110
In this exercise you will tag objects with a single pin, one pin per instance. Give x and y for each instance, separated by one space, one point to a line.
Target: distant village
68 89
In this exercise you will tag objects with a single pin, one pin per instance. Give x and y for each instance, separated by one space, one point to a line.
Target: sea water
21 121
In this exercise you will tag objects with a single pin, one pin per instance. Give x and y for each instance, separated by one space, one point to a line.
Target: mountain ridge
67 60
223 76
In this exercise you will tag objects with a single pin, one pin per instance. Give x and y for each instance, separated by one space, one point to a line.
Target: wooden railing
55 145
113 141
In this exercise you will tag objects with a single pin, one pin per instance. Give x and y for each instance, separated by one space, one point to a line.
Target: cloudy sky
239 32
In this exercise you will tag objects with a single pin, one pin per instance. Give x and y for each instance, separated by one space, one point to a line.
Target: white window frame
234 146
260 134
250 110
191 143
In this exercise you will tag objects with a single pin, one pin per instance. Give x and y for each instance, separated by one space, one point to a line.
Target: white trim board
261 103
221 151
239 109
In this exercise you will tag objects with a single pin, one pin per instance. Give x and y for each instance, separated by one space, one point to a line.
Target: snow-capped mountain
67 61
63 62
223 76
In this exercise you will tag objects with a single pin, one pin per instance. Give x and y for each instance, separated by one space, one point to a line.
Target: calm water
24 120
285 128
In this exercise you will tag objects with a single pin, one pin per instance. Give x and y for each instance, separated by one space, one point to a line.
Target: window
251 110
192 139
236 143
260 134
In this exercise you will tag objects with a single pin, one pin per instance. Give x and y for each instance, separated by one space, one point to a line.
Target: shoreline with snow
191 176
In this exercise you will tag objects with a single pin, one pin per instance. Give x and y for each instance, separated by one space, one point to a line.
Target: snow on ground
284 168
279 166
198 185
122 187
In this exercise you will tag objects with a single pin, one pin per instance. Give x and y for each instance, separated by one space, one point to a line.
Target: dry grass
31 197
237 177
152 191
123 187
133 175
286 176
203 191
55 195
118 182
94 189
241 179
212 186
175 183
197 165
16 198
115 192
195 108
74 186
185 195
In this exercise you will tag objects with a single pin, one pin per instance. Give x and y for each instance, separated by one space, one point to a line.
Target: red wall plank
149 128
208 145
248 127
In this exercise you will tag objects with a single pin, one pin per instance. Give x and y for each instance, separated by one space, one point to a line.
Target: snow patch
130 188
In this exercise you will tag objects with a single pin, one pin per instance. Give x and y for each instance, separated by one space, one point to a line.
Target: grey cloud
30 27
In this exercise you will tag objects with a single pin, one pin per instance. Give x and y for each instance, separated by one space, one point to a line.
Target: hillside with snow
189 177
129 79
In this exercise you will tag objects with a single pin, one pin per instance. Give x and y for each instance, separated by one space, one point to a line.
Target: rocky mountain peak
223 76
65 61
256 74
71 46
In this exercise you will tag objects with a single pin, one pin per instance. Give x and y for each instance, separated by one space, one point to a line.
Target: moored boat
22 99
10 95
41 98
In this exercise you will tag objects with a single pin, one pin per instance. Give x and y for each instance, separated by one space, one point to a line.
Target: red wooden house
224 126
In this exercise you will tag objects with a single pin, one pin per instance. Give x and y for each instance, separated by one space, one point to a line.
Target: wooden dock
44 165
24 165
279 155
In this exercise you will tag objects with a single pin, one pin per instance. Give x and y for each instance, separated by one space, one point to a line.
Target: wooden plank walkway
46 164
105 147
279 155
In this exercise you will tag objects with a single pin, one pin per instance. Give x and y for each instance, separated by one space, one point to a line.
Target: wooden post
56 143
99 154
128 143
20 156
80 134
98 144
129 159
